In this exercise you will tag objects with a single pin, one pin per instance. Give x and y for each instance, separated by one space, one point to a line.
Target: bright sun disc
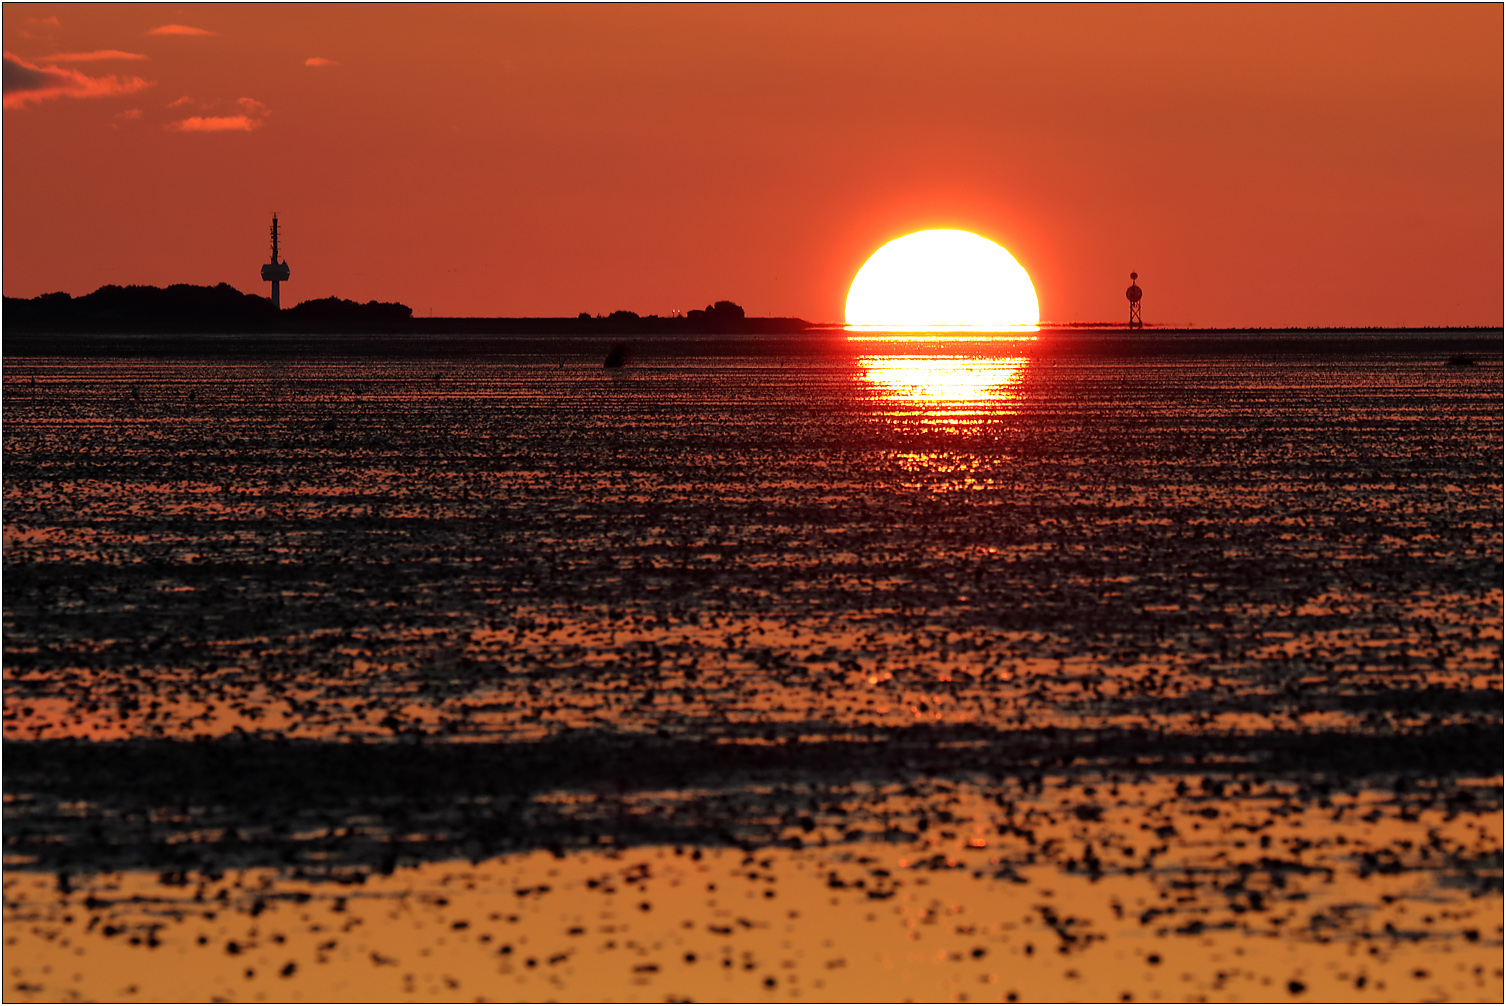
942 279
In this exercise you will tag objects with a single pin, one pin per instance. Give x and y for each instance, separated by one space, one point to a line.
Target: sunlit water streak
939 333
946 389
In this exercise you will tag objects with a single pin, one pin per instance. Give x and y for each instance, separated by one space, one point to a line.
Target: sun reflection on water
943 385
934 333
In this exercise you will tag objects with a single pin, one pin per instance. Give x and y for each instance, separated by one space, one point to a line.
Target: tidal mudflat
765 669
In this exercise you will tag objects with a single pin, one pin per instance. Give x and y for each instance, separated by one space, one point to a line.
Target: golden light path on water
945 379
933 333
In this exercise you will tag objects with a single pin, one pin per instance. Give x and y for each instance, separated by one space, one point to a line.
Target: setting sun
942 279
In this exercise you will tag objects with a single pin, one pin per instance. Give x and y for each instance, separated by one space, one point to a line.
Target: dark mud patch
143 804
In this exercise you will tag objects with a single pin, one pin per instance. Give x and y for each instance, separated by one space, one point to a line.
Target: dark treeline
185 308
721 318
222 309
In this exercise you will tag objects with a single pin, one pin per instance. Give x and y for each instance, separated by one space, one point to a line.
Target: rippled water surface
351 613
740 548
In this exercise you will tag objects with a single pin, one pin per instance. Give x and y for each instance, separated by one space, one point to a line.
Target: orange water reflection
1057 894
910 333
944 382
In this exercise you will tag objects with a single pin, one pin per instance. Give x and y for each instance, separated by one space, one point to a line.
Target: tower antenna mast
275 272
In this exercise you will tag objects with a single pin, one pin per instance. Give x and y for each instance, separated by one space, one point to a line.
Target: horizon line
875 329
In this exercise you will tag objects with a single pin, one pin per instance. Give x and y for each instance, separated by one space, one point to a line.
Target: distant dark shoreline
189 321
223 310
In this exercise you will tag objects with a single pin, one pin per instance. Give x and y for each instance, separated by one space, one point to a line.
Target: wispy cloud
180 102
320 61
25 82
130 113
253 113
178 29
215 124
90 57
45 24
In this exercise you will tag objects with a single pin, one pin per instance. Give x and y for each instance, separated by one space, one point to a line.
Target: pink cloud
25 82
253 113
319 61
179 29
215 124
87 57
180 102
130 113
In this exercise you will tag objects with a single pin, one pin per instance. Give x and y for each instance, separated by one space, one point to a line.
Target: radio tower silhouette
275 272
1133 293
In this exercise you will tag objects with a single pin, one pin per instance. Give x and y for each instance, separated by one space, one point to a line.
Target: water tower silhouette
1133 293
275 272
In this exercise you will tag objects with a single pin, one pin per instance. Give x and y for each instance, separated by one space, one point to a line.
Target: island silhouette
222 309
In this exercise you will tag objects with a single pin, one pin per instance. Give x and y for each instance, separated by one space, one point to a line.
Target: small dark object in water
1460 360
617 357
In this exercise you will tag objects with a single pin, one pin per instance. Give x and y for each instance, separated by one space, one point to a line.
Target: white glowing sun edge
942 279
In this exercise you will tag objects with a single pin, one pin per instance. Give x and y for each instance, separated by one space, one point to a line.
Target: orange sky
1258 166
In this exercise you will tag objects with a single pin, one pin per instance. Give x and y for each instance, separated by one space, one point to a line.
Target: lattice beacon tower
1133 294
275 272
